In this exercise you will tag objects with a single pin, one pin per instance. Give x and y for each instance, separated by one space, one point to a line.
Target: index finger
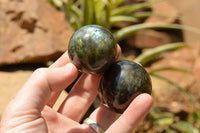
64 59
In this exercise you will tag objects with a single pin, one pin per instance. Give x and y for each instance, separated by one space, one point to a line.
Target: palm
56 122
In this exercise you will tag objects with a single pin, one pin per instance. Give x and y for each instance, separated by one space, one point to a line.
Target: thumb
37 90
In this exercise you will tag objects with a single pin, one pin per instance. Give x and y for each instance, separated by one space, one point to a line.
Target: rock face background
31 31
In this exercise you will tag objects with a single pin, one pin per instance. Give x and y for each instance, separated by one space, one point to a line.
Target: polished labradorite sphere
92 49
121 83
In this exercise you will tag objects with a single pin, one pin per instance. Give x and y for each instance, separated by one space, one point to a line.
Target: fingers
56 122
119 51
112 122
104 116
59 124
80 97
63 60
42 83
133 115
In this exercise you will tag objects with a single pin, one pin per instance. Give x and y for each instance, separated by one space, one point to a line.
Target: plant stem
130 30
148 56
88 12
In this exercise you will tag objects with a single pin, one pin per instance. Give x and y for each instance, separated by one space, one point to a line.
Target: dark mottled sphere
121 83
92 49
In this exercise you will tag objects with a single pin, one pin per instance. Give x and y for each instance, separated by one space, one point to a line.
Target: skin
31 109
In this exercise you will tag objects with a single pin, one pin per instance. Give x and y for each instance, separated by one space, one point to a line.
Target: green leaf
131 30
161 118
130 8
116 3
150 55
169 130
102 12
196 116
116 19
186 127
170 69
145 14
164 120
73 14
58 3
88 10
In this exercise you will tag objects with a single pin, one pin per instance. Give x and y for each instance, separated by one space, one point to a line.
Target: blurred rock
167 95
189 11
148 39
164 12
31 32
129 54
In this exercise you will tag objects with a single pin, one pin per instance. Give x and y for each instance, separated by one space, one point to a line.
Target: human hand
31 109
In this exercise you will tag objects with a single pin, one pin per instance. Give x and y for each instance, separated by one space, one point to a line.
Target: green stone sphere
92 49
121 83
